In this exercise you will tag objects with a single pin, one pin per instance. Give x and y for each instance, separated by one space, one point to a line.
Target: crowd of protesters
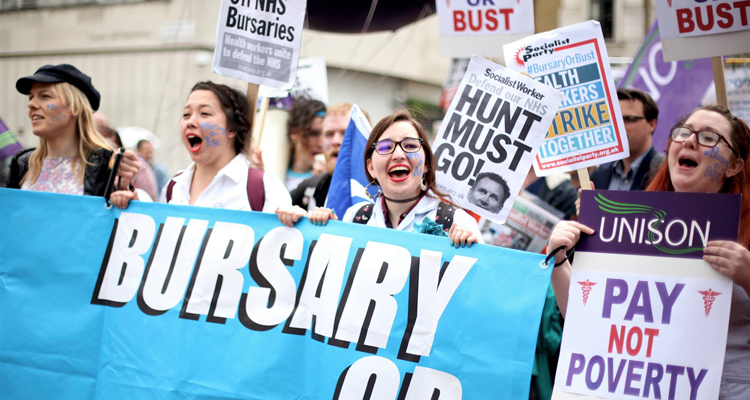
77 147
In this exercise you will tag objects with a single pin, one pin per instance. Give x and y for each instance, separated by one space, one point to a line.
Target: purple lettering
641 291
598 361
668 299
674 371
652 381
577 361
695 382
609 295
612 383
631 377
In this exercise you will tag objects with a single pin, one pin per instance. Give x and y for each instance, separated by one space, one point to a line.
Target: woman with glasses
399 161
708 153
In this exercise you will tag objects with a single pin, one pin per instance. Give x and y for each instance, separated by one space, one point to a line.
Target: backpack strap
363 214
170 187
445 212
257 195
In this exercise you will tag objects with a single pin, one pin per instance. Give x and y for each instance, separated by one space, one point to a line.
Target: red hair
740 134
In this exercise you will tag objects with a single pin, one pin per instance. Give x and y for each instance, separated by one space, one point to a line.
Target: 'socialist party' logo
652 223
526 53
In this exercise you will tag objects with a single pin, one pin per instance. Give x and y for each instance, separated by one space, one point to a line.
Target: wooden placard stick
717 64
583 178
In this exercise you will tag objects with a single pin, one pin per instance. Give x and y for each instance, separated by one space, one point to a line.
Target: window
603 11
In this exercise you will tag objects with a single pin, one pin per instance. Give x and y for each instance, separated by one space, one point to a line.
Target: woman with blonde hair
72 157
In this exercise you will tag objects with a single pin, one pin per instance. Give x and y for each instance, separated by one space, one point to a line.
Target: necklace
409 200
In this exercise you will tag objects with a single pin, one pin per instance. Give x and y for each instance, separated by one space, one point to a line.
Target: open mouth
687 162
398 173
195 142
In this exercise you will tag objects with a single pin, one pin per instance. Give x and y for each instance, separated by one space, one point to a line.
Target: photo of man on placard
489 192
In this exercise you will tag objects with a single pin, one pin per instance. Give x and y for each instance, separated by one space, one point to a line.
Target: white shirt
228 189
425 208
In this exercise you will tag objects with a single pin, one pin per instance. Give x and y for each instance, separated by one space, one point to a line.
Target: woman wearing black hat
72 157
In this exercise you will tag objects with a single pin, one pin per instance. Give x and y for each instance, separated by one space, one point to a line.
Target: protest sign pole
252 100
583 177
721 88
261 120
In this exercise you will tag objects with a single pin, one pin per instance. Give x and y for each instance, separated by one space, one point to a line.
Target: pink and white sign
686 18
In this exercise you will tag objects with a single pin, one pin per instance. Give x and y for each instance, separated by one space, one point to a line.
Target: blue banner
178 302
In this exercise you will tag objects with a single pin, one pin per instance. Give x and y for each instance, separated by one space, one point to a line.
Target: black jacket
651 162
312 192
94 179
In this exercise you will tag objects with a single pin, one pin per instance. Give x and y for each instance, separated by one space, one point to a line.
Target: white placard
490 135
647 336
311 82
259 42
588 129
481 26
688 18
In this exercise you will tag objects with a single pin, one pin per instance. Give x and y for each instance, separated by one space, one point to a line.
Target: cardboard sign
688 18
588 129
480 27
311 82
647 317
174 302
489 137
259 41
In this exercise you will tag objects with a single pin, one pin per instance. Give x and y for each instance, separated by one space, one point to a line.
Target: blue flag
349 180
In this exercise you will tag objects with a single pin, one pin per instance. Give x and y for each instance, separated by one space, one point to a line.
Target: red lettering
722 12
479 21
651 333
459 24
742 5
616 338
685 20
491 20
699 18
634 350
506 12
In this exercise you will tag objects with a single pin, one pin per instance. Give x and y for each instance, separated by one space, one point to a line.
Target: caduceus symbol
586 288
708 299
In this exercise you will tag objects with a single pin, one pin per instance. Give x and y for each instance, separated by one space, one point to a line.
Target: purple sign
664 224
677 86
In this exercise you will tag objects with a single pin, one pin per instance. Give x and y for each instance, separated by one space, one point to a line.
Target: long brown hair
88 136
740 134
236 109
406 116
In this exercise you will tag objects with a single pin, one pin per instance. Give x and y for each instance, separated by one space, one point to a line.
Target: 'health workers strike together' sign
588 129
258 41
489 137
646 316
175 301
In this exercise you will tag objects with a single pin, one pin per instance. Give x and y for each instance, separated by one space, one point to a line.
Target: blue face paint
716 171
57 112
419 171
214 129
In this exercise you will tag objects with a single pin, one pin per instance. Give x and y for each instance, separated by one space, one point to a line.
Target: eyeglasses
631 118
705 137
387 146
